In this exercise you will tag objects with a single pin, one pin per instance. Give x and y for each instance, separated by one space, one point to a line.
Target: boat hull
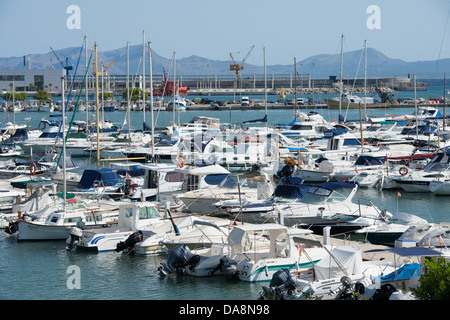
36 232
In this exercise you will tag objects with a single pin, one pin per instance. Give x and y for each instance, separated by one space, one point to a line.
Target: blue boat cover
106 177
415 251
408 271
336 185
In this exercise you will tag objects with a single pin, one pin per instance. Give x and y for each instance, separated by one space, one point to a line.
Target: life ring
180 162
33 168
171 123
366 143
379 145
403 171
334 120
4 138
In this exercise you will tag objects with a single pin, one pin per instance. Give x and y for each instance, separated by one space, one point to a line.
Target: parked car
289 102
245 101
220 103
206 101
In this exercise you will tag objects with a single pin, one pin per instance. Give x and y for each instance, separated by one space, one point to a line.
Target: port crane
238 67
65 67
105 69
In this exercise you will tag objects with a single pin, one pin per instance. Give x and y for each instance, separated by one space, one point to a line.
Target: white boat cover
349 258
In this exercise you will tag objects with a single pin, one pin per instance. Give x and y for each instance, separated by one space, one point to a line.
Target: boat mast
365 80
443 111
173 89
340 77
97 105
415 106
151 97
265 88
63 107
143 74
295 85
86 87
128 90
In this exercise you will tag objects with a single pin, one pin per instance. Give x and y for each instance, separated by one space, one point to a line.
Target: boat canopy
103 177
336 185
365 160
408 271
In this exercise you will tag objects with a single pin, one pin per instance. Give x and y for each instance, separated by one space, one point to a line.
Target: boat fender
403 171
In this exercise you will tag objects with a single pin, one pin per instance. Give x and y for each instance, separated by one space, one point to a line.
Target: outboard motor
129 242
346 289
281 281
12 227
286 171
228 267
75 236
179 257
384 292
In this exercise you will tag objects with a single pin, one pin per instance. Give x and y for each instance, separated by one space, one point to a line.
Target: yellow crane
105 69
238 67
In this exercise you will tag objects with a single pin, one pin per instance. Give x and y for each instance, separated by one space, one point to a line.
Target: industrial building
31 80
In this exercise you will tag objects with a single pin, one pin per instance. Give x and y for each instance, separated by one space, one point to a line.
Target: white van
245 101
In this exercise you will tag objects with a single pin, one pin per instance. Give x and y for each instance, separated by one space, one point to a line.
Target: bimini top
101 177
415 251
337 185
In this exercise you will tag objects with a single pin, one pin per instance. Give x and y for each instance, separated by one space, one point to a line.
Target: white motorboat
440 187
343 275
324 200
388 231
247 186
419 180
132 218
252 253
57 223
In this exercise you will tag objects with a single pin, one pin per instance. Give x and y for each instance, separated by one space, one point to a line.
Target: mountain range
320 66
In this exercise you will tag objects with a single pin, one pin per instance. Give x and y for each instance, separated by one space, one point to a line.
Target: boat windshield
285 194
231 183
319 195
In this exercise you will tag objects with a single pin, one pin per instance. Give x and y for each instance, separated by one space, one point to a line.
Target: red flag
399 194
441 241
356 170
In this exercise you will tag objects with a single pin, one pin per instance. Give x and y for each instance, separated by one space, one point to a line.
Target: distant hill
320 66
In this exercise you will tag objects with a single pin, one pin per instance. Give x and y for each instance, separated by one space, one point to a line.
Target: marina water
43 270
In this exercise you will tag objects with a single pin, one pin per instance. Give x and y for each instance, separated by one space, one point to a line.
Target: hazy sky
410 30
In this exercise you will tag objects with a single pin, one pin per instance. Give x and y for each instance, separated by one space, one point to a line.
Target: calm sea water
42 270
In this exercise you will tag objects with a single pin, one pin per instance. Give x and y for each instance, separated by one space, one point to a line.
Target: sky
410 30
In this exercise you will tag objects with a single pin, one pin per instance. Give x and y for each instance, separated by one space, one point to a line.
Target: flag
127 176
399 194
356 170
441 241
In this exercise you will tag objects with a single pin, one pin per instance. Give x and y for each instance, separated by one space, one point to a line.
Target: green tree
435 283
18 96
43 95
135 94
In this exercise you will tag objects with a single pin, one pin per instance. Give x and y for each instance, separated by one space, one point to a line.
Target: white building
24 79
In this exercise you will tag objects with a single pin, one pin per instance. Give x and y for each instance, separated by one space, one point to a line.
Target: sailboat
346 98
